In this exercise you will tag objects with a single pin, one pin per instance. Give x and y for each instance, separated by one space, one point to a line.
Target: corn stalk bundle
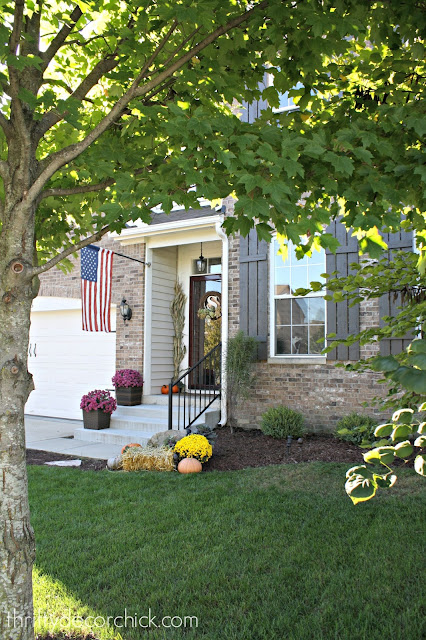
177 311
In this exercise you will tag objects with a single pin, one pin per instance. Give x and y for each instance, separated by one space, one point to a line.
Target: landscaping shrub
281 422
357 429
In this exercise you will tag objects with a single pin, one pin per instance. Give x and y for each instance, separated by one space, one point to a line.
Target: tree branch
232 24
66 155
166 85
60 38
15 36
67 252
161 46
71 191
182 44
6 126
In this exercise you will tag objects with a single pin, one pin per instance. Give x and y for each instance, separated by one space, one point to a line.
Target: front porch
128 424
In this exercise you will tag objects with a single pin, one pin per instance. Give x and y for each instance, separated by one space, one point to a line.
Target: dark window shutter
254 290
342 319
251 111
389 303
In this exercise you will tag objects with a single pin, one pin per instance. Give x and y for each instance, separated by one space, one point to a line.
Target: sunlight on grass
274 552
56 609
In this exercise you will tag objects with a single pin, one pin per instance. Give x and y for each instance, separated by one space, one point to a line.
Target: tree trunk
17 547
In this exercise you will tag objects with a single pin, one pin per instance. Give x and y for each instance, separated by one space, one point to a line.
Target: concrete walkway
57 435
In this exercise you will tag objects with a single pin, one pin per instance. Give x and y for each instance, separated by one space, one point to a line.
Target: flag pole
147 264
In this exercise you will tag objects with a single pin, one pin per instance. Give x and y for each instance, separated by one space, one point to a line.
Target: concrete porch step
140 422
118 437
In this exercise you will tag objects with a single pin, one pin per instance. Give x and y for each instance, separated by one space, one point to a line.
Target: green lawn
273 553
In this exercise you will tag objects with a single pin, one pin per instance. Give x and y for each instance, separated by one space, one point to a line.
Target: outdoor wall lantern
125 310
201 262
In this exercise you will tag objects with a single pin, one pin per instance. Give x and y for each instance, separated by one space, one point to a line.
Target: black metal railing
198 388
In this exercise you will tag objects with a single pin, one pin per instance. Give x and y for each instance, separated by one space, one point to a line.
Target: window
298 323
286 102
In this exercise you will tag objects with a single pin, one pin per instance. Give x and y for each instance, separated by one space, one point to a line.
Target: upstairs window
297 323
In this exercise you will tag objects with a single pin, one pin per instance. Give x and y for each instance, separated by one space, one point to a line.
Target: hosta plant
407 437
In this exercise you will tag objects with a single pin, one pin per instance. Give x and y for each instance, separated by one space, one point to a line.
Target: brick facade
322 392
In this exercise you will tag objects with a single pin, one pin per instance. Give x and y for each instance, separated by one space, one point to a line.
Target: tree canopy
109 109
130 105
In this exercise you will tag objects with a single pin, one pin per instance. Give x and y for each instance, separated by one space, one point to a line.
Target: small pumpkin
165 389
127 446
189 465
175 388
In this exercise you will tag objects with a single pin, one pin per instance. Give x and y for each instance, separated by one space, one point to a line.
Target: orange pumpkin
190 465
175 388
127 446
165 389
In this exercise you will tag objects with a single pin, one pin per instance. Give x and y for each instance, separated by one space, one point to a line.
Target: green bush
357 429
281 422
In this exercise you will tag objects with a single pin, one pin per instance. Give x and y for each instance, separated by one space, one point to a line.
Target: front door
205 325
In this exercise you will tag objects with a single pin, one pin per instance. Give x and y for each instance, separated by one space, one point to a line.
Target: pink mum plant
127 378
98 399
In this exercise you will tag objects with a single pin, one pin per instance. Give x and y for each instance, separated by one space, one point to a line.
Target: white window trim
292 107
290 358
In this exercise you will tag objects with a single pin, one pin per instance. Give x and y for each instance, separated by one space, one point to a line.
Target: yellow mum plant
194 446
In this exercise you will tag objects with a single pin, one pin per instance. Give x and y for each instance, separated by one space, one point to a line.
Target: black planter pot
128 396
96 419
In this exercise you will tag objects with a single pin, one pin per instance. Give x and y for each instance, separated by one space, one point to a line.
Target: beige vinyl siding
164 264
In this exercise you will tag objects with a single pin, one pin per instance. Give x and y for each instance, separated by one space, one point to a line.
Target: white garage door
66 362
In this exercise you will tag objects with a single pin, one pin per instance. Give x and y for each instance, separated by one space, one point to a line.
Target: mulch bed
244 449
41 457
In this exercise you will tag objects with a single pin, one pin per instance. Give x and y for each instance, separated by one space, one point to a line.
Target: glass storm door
205 325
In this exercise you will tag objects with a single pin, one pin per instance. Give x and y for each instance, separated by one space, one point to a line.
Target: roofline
147 230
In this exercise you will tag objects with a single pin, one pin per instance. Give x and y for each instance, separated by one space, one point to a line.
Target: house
254 287
255 290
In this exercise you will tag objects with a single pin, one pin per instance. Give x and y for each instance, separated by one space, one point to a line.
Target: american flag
96 275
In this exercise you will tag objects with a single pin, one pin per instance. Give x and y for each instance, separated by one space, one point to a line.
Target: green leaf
384 363
359 488
385 455
418 346
420 465
418 360
342 164
421 428
411 379
383 430
401 431
405 416
404 449
386 481
420 442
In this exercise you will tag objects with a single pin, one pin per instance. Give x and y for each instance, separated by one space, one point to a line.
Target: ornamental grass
148 459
